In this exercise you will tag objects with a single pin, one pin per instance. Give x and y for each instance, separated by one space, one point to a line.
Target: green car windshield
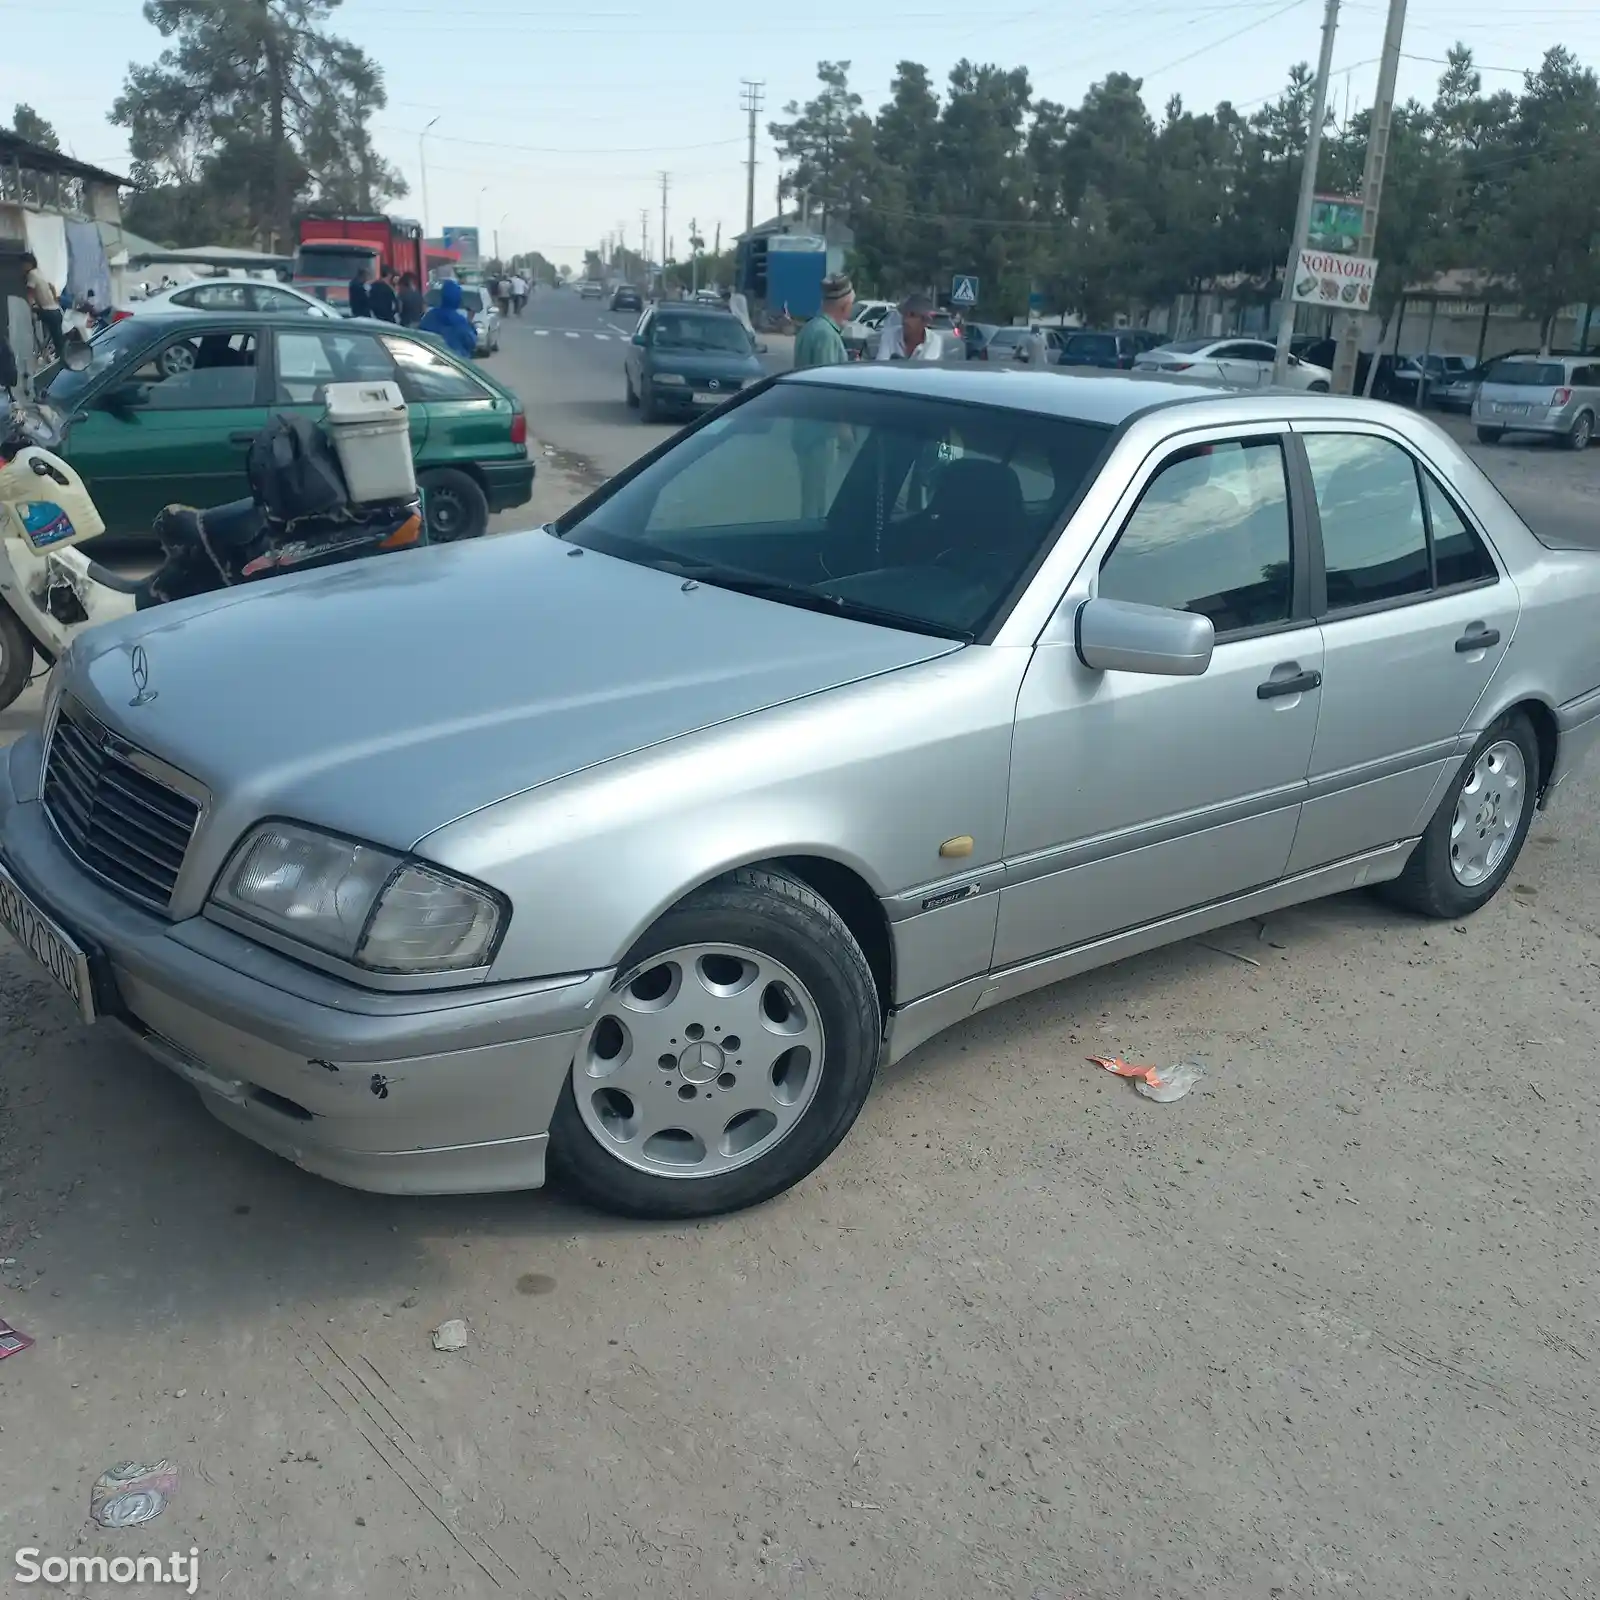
61 386
723 335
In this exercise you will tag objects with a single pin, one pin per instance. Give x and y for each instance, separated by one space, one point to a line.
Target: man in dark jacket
383 300
360 299
412 305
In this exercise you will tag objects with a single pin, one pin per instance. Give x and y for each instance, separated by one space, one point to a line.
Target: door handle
1481 640
1298 684
243 436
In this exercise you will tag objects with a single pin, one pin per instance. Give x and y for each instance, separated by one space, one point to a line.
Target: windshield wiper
794 594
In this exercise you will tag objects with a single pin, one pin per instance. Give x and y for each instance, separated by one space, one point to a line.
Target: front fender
875 776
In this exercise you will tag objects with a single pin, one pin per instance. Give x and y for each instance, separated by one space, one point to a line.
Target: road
1323 1328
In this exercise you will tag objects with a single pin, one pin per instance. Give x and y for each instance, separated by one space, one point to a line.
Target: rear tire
1319 387
16 657
1469 848
457 506
1582 432
785 1108
1490 435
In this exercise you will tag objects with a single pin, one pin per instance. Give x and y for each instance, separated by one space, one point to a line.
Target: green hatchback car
168 406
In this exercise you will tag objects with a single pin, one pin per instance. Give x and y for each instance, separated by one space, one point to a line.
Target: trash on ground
132 1492
451 1335
1155 1083
12 1343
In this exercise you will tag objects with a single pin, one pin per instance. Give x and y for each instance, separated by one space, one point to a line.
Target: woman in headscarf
450 322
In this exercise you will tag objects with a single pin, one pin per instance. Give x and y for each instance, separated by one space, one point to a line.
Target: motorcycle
299 516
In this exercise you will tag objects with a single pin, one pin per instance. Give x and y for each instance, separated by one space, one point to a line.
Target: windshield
336 262
912 512
106 348
1183 347
1093 344
471 299
672 331
1527 374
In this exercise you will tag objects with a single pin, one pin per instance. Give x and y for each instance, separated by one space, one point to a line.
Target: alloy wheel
1488 813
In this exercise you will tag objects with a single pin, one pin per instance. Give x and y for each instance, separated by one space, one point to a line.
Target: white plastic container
372 434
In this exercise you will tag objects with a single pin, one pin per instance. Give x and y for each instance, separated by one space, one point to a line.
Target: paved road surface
1324 1328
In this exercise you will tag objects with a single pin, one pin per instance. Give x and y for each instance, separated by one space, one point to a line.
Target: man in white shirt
906 336
519 292
45 302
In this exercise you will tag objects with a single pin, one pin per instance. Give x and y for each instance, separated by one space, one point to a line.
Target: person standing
819 343
382 298
519 292
906 335
412 305
360 298
46 303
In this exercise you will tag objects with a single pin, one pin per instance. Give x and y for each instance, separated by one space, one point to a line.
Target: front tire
457 506
16 657
631 397
1490 435
733 1053
648 410
1476 835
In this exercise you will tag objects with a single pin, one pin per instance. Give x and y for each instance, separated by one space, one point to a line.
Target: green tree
253 109
27 124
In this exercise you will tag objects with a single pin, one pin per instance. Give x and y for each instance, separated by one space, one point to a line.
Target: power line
562 150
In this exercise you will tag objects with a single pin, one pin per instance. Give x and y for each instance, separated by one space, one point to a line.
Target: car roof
694 307
255 319
1108 401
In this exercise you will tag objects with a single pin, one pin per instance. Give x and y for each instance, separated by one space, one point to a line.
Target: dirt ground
1324 1328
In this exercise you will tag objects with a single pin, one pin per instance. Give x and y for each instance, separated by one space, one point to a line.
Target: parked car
1435 373
920 691
479 304
1010 344
1114 348
1558 396
685 358
627 298
227 294
865 319
591 289
1247 363
169 404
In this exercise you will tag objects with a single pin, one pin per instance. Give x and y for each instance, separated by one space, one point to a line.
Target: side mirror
1119 636
761 349
638 338
78 354
126 397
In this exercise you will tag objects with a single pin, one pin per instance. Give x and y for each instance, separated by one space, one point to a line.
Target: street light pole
422 161
1308 192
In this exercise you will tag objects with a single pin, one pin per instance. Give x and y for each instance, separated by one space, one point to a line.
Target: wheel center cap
701 1061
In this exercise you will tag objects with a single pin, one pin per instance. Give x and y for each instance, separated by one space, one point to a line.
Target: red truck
330 248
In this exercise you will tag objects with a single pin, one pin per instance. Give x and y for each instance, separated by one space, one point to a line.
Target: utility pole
1308 191
751 101
694 256
1344 363
665 180
422 161
644 248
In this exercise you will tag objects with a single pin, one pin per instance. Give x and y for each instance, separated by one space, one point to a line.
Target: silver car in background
876 698
1553 395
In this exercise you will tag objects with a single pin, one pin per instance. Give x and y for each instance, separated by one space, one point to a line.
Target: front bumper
506 484
402 1093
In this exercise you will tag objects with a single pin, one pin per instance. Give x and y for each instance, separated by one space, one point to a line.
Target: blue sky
555 122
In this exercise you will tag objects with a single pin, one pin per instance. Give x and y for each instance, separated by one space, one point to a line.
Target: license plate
703 397
1505 410
47 944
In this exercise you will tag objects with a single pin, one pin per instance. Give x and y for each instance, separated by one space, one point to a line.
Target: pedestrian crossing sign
963 290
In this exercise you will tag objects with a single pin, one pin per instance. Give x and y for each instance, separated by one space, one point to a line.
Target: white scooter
50 591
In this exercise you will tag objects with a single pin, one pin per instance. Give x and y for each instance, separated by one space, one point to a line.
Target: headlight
360 903
671 377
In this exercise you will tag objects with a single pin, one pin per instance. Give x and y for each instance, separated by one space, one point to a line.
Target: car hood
387 698
705 363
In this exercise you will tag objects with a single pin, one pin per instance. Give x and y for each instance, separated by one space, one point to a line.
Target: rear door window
232 295
427 374
1374 537
308 361
1459 556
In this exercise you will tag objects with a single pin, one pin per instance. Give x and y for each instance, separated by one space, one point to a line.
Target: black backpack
294 470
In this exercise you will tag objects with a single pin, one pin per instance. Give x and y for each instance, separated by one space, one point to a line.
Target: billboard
1335 224
1330 278
464 240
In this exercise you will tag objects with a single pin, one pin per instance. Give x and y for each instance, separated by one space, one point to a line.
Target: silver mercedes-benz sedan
878 697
